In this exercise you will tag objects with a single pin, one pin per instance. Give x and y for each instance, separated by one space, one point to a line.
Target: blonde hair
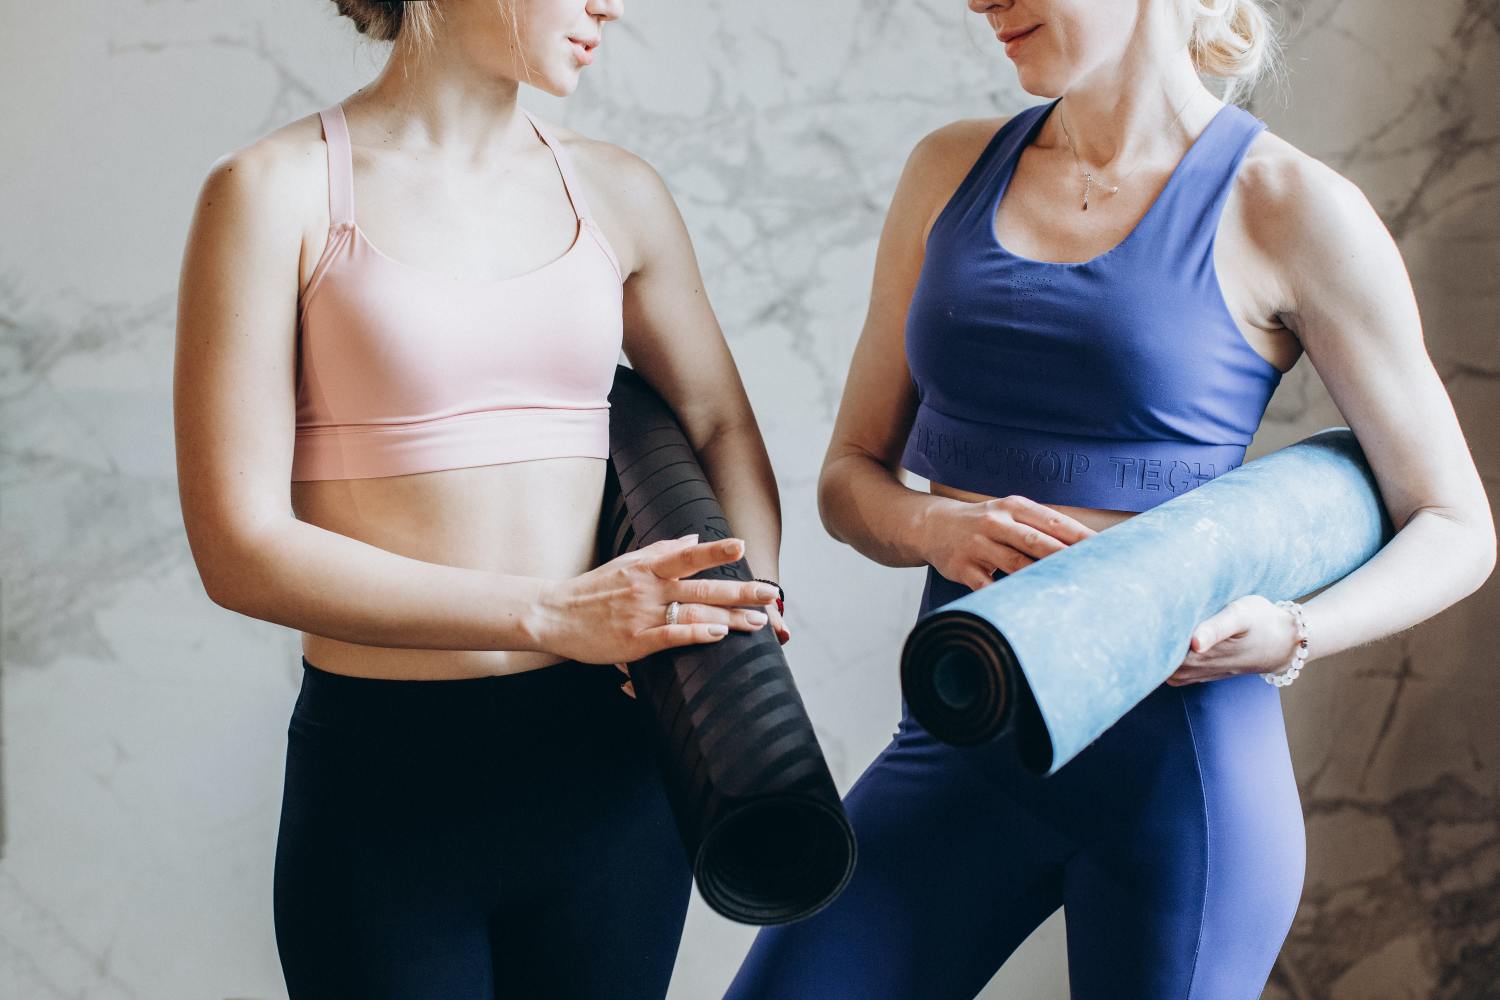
1233 40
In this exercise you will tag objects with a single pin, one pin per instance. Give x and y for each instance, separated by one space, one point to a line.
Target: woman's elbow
832 488
824 501
1487 542
1478 547
1481 529
216 575
223 556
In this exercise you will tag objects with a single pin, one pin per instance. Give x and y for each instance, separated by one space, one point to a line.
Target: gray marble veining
143 728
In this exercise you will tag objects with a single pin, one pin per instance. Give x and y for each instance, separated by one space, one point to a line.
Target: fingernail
756 618
692 539
718 629
765 594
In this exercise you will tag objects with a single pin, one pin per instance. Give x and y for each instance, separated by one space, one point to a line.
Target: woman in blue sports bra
1115 281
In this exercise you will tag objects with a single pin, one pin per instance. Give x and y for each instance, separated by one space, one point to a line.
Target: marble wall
143 727
1395 743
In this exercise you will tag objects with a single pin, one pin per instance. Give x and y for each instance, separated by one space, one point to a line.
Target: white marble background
143 727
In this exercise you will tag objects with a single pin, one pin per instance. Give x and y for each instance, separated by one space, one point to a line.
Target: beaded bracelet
780 594
1287 674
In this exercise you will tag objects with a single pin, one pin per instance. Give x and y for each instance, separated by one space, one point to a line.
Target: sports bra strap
340 165
564 167
1186 221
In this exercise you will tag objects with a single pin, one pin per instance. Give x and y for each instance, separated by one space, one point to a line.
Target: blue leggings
1174 843
472 839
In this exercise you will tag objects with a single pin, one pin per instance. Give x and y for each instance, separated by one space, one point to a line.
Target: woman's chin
1039 82
558 84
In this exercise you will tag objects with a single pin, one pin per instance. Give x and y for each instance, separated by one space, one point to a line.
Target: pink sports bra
402 370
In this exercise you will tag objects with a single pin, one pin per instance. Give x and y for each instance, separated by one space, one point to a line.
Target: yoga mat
751 792
1061 649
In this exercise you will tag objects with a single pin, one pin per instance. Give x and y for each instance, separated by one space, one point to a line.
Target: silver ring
672 613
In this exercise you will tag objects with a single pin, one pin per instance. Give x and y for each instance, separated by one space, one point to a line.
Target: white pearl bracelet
1288 673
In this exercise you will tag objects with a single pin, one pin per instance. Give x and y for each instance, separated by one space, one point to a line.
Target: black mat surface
754 800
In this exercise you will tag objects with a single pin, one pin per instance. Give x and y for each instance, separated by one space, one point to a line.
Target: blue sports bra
1116 382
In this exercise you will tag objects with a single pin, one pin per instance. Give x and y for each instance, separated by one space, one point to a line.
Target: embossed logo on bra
1023 466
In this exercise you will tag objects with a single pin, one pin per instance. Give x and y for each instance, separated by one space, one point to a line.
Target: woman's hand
1250 636
617 612
774 620
966 542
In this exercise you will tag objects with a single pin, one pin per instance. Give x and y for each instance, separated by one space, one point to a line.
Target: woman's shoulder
938 164
618 183
594 155
284 169
942 157
1295 199
962 139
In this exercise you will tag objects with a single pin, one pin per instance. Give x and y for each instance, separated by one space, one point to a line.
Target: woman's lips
584 50
1014 41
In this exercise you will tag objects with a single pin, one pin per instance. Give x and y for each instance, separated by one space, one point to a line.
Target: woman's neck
1139 114
435 100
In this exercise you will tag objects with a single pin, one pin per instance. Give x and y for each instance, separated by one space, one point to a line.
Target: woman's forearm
735 461
315 580
864 505
1432 563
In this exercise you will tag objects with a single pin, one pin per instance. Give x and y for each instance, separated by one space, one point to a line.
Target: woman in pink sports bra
410 306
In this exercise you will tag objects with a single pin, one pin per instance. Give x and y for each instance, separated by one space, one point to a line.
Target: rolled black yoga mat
1061 649
752 794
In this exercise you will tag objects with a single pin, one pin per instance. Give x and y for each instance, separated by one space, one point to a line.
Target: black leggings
496 837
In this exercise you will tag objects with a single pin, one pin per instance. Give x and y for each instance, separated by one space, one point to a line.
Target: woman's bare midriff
1094 517
537 518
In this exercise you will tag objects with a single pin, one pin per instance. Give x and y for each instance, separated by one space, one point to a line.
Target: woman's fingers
1190 676
975 578
994 555
778 624
719 592
709 601
1053 523
667 636
1020 531
687 560
697 623
626 685
1027 539
739 619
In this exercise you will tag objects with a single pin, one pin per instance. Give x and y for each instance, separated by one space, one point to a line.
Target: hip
475 725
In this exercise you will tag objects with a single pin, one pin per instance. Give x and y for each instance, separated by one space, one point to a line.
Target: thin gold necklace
1088 176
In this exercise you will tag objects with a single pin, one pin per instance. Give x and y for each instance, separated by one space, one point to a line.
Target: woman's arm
674 340
1352 307
234 411
860 498
1356 316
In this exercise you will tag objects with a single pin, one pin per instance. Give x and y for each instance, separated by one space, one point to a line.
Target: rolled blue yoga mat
1063 648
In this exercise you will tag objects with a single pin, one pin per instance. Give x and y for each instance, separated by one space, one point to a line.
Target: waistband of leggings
529 697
